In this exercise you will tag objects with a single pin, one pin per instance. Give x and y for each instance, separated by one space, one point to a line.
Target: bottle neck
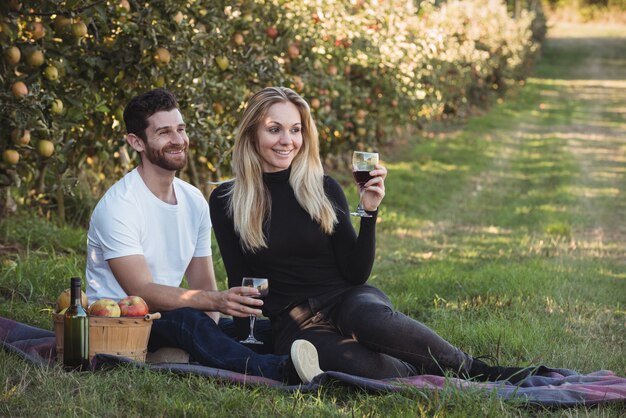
75 292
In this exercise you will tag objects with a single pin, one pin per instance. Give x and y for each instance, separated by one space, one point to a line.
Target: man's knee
186 315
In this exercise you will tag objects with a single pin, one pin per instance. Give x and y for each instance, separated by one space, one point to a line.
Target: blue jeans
214 345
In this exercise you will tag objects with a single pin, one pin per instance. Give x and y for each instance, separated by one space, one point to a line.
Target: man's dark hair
141 107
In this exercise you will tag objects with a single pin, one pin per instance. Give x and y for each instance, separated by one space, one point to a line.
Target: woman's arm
230 249
354 254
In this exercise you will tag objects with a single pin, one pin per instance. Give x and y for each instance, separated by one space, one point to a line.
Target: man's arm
201 275
134 276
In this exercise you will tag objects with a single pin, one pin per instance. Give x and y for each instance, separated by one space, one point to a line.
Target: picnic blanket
550 387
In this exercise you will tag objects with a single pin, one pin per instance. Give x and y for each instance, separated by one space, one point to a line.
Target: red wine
361 177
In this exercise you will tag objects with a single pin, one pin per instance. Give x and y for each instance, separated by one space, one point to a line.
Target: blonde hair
249 201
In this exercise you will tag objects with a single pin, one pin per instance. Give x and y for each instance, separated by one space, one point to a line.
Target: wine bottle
76 331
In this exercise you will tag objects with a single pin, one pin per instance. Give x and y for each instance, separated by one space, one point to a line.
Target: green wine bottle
76 331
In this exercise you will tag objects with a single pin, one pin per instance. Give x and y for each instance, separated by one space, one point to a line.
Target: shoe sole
305 360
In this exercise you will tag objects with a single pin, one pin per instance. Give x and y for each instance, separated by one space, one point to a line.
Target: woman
283 219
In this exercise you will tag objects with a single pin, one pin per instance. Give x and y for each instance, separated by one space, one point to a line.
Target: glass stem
252 321
360 206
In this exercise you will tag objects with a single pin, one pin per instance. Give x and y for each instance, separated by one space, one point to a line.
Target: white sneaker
305 360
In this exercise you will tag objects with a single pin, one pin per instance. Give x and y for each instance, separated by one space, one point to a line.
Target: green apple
35 58
222 62
13 55
79 29
51 73
45 148
57 107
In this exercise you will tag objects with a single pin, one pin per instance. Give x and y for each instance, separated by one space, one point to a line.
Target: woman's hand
374 190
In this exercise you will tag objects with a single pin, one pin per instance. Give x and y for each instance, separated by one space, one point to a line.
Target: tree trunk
60 202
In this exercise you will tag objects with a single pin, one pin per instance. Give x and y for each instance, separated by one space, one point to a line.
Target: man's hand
238 301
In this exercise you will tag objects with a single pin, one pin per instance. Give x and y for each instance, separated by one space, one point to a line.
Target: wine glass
262 285
362 164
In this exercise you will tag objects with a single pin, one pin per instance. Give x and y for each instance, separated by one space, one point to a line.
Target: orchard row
69 66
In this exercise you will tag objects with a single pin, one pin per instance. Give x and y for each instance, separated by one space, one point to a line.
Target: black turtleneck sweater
300 260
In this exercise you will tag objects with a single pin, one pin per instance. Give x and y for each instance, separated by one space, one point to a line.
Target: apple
315 103
79 30
19 137
12 54
65 299
159 82
293 51
62 23
237 39
218 108
272 32
178 17
37 31
35 58
10 156
45 148
19 89
104 307
51 73
298 83
124 4
162 56
222 62
133 306
57 107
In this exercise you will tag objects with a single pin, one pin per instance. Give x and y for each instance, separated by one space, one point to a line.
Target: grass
506 235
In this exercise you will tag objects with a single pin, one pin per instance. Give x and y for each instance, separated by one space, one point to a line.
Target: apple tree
68 68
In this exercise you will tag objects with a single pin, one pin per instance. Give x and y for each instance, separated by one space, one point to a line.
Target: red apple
293 51
133 306
104 307
272 32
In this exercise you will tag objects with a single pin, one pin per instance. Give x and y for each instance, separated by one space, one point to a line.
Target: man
150 229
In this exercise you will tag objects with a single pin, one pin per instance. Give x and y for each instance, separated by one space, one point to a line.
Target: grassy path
519 218
507 236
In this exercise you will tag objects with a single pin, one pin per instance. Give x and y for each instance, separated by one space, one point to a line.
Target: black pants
359 332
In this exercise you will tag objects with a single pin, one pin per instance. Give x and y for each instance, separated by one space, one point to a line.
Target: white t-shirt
131 220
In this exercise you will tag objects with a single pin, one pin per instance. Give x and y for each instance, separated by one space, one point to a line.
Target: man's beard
160 158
